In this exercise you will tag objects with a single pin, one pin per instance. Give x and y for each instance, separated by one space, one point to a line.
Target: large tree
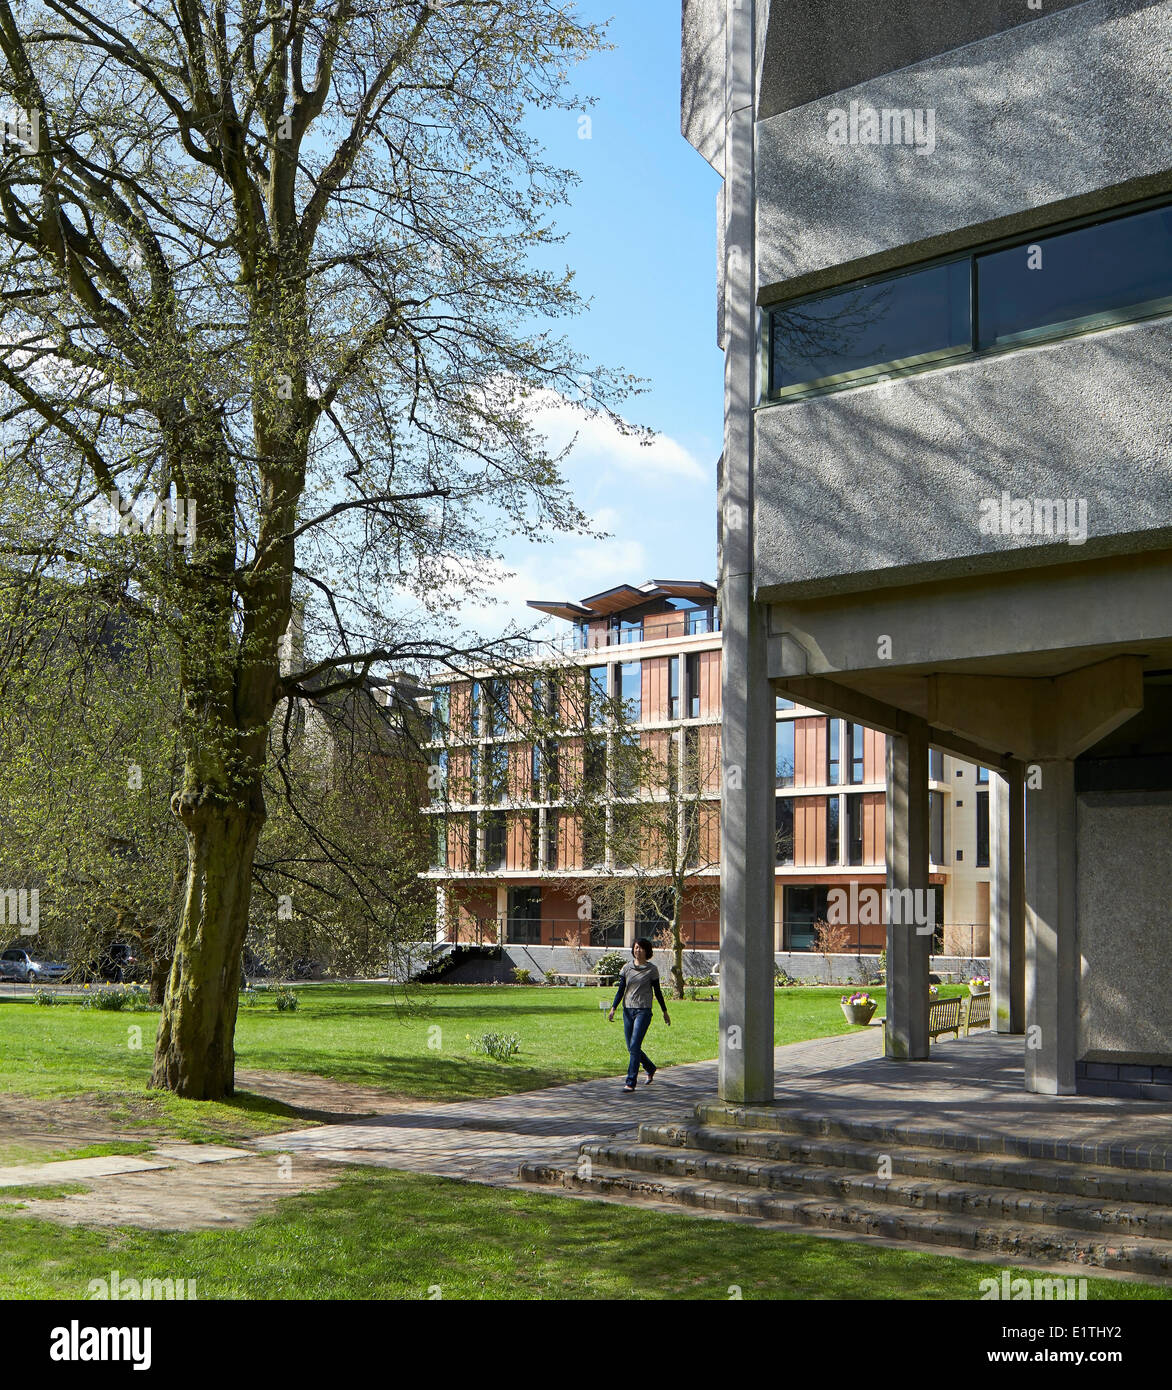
275 260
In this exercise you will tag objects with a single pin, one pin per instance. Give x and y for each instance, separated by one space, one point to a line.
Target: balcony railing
697 622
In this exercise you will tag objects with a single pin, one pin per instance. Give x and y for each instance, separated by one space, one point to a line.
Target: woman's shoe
628 1088
651 1075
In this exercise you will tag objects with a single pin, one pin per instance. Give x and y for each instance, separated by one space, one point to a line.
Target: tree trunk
194 1056
677 947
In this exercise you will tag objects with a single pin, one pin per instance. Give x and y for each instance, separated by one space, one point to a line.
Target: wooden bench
957 1016
585 975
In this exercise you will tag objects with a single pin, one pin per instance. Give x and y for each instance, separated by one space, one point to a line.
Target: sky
641 237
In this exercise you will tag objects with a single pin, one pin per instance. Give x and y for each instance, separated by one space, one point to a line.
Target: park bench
957 1016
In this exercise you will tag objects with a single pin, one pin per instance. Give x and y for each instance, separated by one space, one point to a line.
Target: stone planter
858 1014
978 989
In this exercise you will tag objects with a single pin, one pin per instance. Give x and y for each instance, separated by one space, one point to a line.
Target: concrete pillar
909 943
747 739
629 915
1007 898
1052 956
502 912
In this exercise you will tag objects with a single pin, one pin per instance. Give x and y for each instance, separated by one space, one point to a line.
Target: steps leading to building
797 1170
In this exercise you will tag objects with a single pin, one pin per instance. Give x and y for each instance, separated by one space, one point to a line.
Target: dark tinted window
1076 280
890 323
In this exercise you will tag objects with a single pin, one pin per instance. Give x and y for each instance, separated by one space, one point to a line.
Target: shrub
782 977
45 997
499 1046
553 978
609 964
521 976
287 1000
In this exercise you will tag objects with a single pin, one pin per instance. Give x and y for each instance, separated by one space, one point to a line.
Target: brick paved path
486 1140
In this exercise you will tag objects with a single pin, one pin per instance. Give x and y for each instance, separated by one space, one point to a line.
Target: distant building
510 859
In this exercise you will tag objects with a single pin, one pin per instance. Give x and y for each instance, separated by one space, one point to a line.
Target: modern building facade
945 300
513 859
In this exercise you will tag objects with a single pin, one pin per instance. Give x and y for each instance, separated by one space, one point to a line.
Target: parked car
120 965
18 964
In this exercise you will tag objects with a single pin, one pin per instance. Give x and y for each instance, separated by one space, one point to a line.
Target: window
594 838
474 710
782 703
631 689
496 772
523 926
854 733
474 774
692 680
439 843
626 629
935 765
982 830
785 753
549 759
597 691
1045 286
692 834
833 765
594 766
494 840
551 839
673 687
936 828
1073 281
701 620
691 760
441 711
496 706
783 825
854 829
802 906
899 321
581 636
534 839
439 777
982 775
535 770
833 808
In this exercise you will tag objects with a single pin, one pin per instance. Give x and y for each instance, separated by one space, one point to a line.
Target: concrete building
945 287
513 862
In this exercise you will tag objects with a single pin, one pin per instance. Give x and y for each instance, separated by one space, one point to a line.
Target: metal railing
698 622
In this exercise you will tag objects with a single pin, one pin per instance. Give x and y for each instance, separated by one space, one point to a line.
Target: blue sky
642 240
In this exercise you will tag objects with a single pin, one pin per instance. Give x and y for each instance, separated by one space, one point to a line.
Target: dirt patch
317 1098
189 1196
33 1127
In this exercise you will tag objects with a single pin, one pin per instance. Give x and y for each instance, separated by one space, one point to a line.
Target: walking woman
638 981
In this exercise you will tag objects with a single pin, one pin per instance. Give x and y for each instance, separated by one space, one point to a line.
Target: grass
390 1235
415 1043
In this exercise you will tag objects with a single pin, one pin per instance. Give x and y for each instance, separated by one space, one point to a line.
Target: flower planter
978 989
858 1014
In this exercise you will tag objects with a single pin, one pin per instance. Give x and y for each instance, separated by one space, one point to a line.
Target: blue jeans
635 1025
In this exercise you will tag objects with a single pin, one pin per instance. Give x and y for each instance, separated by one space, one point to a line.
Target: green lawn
392 1235
416 1043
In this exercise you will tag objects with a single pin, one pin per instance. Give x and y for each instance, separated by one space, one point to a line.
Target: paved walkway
487 1140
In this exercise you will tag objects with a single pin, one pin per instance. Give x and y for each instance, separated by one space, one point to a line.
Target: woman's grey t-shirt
638 984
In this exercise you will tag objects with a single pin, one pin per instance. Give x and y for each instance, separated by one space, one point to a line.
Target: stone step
1152 1157
1036 1243
1139 1220
987 1170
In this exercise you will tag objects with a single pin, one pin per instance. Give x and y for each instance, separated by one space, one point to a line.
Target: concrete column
1007 898
502 912
1052 956
778 915
747 739
629 915
909 943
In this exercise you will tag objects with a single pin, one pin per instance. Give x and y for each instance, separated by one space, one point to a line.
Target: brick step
1138 1220
1148 1158
1038 1243
1027 1175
